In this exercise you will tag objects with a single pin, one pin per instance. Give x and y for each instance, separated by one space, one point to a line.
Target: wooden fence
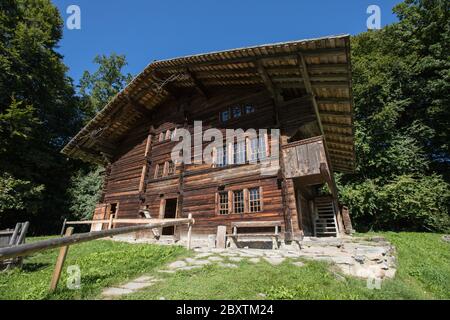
69 239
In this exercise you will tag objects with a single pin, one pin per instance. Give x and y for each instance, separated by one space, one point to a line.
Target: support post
111 219
189 235
63 227
15 234
60 263
21 240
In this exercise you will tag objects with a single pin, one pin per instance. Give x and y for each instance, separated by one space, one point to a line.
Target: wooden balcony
306 158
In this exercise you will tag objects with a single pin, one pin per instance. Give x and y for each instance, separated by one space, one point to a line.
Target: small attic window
249 109
237 112
225 115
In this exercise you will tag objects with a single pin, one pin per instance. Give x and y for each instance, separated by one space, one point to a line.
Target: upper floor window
170 168
165 169
239 155
236 112
249 109
222 156
225 115
168 135
242 152
159 172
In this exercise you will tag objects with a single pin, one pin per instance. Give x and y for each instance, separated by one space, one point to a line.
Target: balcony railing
305 158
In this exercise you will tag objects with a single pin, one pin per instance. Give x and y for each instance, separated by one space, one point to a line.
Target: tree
38 113
98 88
96 91
401 92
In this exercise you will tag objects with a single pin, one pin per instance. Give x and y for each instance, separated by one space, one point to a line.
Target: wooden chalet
303 88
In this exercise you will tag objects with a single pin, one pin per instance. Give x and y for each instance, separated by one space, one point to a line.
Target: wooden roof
318 67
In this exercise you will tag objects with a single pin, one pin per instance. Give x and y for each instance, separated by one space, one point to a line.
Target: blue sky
147 30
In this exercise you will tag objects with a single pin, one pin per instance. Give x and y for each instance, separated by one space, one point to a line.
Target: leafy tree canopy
401 92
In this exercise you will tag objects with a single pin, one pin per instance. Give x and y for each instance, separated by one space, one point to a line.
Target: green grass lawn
423 273
102 264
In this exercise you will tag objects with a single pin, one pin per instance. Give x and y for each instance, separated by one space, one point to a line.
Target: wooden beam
197 83
340 135
310 91
140 108
336 114
30 248
268 57
333 101
268 82
337 125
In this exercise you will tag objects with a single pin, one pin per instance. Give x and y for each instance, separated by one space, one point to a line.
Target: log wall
196 186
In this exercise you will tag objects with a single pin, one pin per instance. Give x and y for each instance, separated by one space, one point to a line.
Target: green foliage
401 92
19 194
39 113
405 203
84 192
98 88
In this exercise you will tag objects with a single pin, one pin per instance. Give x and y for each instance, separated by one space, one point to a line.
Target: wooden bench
276 225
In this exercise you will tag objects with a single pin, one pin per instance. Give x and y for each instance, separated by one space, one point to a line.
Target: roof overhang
318 67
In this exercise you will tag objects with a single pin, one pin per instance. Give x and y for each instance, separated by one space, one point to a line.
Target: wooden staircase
325 223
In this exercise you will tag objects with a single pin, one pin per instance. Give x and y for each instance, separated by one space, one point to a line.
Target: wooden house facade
302 88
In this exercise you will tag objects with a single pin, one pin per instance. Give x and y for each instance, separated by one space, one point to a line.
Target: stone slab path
363 258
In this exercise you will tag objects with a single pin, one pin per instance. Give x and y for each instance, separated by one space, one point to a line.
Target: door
170 212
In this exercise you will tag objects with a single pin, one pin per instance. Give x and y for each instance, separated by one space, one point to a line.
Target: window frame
231 201
260 200
226 203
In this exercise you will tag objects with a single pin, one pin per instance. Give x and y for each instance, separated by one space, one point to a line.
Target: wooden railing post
63 227
189 235
111 218
60 263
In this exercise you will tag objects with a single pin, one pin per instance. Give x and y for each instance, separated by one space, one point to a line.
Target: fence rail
30 248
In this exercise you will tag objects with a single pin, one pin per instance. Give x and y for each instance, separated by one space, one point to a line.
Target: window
161 137
225 116
262 147
254 200
174 133
168 134
222 156
170 168
159 172
237 111
239 153
253 156
223 203
249 109
238 201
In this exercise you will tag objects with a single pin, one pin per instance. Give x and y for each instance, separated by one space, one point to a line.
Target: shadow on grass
33 267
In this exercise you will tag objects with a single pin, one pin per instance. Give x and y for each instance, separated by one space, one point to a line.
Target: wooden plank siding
198 184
